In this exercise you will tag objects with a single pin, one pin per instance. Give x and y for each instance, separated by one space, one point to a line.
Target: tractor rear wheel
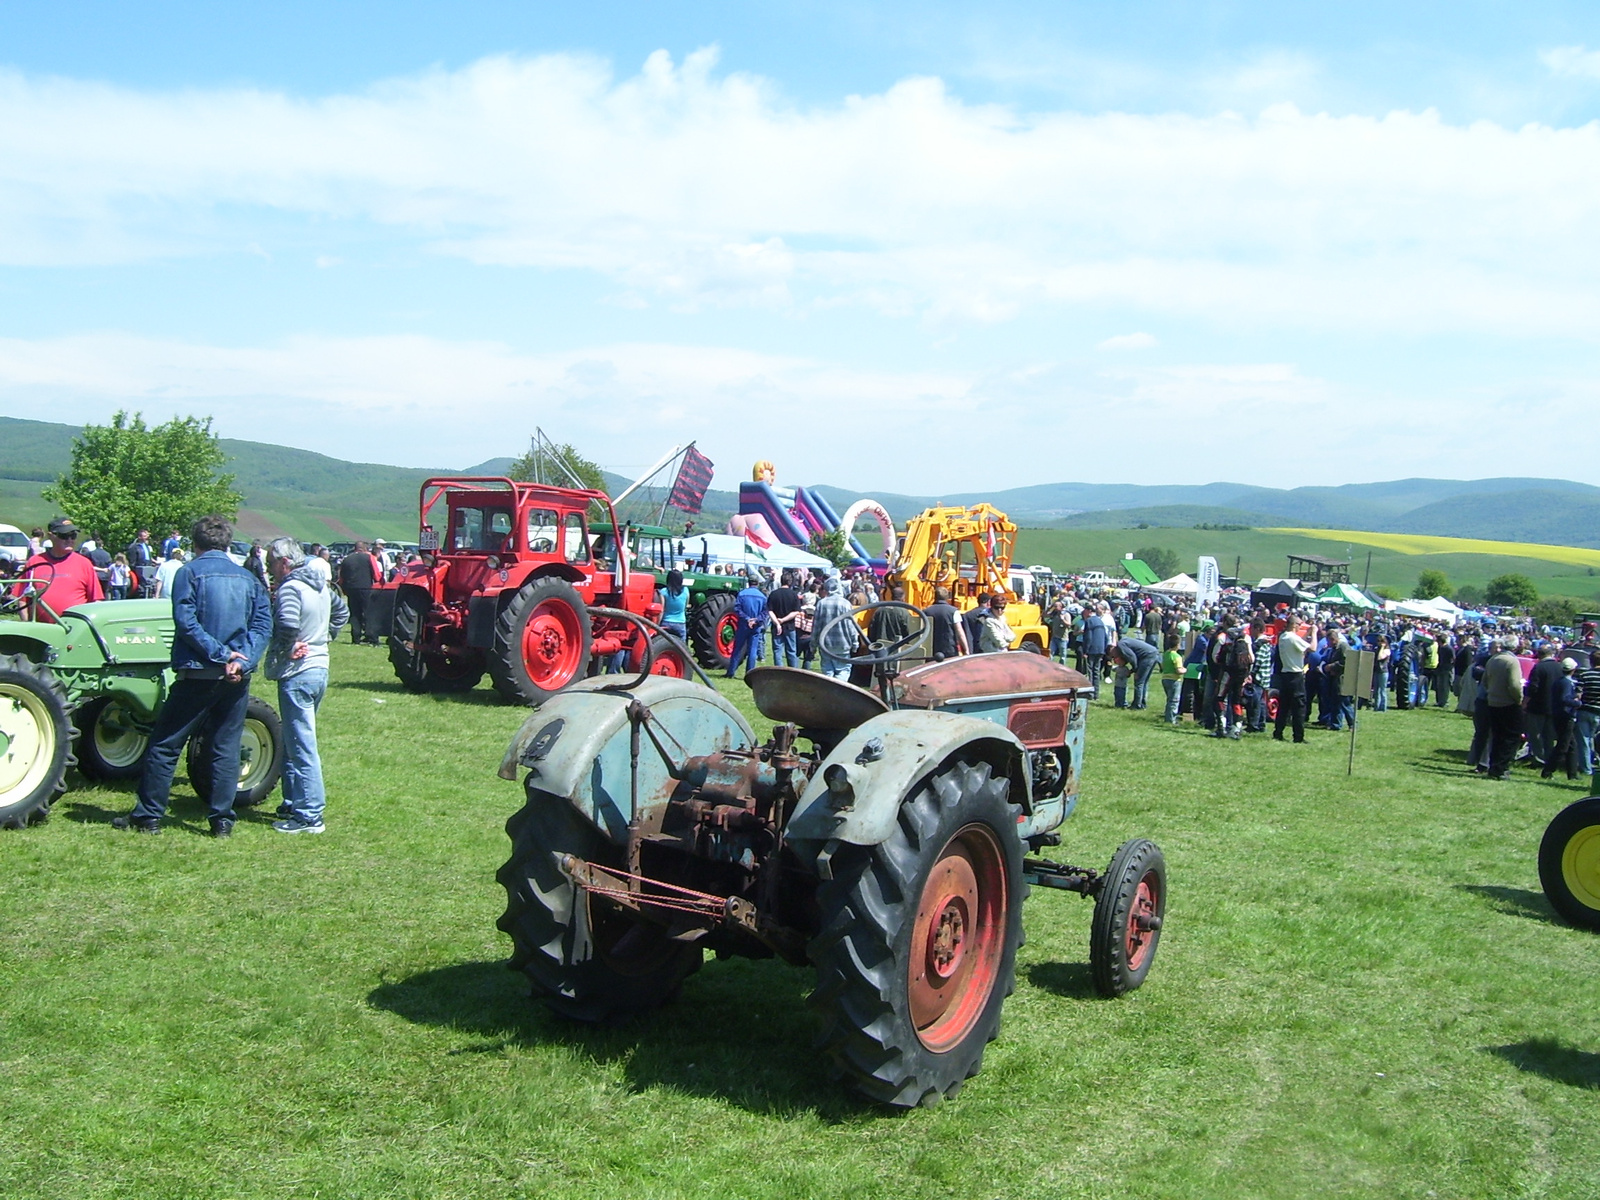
35 740
1569 862
1127 917
585 960
711 630
918 942
111 744
417 670
665 659
541 641
261 755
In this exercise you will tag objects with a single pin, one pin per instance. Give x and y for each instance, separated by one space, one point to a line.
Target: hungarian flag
694 477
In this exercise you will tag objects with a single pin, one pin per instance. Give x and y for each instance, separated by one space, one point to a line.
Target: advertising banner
1209 577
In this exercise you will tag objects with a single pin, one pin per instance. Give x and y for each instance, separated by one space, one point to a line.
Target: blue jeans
835 667
1174 690
216 705
298 698
1380 690
1586 726
786 647
1141 682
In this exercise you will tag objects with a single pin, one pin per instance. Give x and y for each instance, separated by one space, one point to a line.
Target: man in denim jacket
223 619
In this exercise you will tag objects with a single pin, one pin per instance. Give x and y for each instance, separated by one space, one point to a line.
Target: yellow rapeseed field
1421 543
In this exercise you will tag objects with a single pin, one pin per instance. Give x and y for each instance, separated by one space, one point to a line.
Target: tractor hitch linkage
1086 881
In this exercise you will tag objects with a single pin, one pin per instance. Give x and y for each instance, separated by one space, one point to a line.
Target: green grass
1360 992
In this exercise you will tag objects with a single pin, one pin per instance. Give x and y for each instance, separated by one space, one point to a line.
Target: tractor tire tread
34 808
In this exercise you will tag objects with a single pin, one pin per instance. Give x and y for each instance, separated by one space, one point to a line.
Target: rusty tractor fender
580 744
855 795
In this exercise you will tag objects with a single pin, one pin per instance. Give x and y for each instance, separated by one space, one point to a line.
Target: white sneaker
296 825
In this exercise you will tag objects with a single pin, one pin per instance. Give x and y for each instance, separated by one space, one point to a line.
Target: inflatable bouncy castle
769 514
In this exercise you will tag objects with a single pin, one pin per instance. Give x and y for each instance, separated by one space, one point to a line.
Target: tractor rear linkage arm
1086 881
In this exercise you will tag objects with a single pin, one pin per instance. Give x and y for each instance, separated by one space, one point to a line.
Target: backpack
1241 658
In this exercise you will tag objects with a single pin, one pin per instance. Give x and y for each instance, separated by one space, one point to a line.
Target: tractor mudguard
142 694
884 758
578 744
37 641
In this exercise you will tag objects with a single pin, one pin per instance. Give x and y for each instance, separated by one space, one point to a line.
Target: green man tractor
85 690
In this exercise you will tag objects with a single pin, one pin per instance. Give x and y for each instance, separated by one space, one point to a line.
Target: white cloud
1573 60
693 188
1128 341
425 401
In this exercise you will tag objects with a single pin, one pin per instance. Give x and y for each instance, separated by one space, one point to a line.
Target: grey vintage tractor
885 838
85 688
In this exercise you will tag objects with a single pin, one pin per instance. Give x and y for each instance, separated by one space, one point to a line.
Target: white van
14 544
1094 579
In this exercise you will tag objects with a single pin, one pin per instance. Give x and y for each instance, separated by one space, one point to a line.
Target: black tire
1128 914
585 960
35 740
417 670
1032 645
111 742
541 641
261 753
704 638
887 1026
665 659
1569 863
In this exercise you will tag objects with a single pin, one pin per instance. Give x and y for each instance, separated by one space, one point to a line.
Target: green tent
1343 593
1139 572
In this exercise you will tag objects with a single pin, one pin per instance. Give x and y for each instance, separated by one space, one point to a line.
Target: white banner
1209 578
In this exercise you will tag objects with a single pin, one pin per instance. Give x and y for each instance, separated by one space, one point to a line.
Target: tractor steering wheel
879 655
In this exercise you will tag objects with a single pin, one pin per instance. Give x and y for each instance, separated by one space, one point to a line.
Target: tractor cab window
480 530
544 526
577 539
605 551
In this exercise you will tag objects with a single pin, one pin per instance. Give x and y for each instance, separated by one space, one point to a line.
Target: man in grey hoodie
841 641
307 615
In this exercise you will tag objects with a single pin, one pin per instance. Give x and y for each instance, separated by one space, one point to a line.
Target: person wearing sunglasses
58 577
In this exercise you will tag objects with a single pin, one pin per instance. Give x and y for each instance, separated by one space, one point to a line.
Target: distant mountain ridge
315 495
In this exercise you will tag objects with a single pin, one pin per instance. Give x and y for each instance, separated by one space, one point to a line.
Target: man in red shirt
61 576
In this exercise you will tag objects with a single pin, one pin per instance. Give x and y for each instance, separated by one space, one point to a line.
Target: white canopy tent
1179 585
730 548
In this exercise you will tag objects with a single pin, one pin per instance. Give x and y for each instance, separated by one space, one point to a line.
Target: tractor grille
1039 725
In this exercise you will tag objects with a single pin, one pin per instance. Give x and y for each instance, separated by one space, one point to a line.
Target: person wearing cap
750 610
60 577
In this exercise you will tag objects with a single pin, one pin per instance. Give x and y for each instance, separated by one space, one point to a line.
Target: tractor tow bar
1086 881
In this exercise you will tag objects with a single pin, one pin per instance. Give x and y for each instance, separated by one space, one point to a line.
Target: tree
1159 559
125 477
831 545
559 465
1511 591
1384 592
1431 583
1557 610
1468 596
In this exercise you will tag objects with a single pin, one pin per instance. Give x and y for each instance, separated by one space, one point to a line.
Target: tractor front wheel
261 754
1127 917
416 668
35 740
111 743
1569 862
711 630
541 641
918 942
587 961
665 659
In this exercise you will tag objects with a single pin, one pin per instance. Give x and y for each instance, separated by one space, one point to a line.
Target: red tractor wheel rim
1146 904
552 641
727 632
669 663
958 938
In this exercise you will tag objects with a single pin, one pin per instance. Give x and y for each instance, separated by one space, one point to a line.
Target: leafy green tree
1469 597
1431 583
1512 591
831 545
1387 593
1557 610
1162 561
125 477
560 466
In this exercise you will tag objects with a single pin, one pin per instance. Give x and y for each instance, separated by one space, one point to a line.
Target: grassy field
1397 559
1360 992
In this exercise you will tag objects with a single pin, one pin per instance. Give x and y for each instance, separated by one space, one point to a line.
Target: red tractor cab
508 576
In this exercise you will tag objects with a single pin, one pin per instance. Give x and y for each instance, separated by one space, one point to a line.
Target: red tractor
507 584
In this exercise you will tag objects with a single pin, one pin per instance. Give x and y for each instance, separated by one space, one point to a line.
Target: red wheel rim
1146 904
958 938
669 663
727 631
552 641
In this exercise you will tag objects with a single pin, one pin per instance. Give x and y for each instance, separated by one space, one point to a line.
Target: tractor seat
811 700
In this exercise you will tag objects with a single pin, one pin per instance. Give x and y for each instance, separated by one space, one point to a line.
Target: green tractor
711 621
84 690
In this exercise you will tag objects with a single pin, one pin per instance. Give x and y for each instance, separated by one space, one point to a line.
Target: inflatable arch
871 508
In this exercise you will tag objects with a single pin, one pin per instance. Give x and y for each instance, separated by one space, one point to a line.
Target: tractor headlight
493 562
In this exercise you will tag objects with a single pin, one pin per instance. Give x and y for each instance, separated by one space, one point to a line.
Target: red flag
694 477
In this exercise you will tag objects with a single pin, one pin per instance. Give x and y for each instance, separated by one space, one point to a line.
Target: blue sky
897 247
